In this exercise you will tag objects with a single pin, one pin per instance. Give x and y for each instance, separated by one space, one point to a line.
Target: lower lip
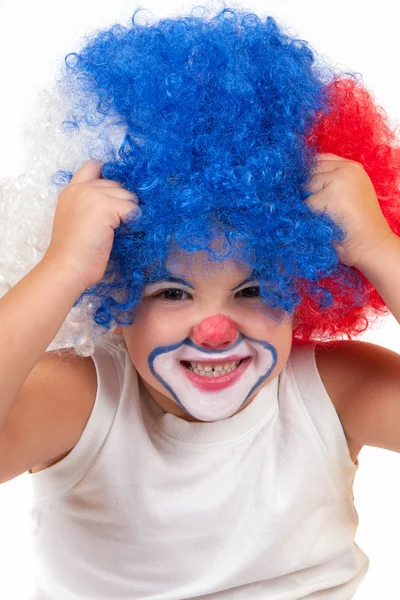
211 384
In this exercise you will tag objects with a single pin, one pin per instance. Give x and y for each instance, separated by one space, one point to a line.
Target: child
206 448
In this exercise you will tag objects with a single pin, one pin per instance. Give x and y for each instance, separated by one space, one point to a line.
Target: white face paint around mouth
215 398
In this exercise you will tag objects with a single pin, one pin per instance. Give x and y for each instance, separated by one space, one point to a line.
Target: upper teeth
210 369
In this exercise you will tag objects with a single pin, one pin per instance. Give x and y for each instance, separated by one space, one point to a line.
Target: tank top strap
321 410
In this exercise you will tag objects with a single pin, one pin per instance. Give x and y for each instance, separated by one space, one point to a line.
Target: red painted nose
215 331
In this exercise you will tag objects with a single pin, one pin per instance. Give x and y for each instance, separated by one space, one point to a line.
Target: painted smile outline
188 342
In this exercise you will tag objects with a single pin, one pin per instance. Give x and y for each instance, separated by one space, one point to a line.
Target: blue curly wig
218 118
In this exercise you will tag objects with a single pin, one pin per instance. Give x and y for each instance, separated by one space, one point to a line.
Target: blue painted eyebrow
173 279
243 282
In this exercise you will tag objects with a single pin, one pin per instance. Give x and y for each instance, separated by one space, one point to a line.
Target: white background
360 36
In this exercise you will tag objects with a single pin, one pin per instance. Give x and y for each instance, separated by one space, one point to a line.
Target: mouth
215 375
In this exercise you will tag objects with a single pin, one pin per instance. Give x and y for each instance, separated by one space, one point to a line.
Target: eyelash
160 292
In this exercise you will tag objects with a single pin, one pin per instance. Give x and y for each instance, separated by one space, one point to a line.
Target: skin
160 321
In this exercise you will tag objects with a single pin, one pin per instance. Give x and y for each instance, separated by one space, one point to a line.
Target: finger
318 181
112 187
133 212
330 156
122 194
318 204
129 211
329 162
323 171
106 183
326 165
90 171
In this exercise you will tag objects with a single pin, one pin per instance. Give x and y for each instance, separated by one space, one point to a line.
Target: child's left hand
344 189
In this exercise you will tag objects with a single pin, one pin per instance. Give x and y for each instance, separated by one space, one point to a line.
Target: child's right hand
88 211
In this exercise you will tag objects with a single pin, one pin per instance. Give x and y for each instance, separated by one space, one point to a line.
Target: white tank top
149 506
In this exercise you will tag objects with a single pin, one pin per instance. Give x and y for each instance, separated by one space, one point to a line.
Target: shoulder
76 373
347 366
363 383
77 384
340 366
56 402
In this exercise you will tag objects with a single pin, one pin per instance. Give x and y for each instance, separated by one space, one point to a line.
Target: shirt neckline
253 417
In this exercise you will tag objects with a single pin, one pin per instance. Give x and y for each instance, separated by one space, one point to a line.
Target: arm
382 268
371 412
31 313
87 212
368 375
363 382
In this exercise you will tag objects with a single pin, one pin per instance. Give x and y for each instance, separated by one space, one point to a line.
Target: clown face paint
219 396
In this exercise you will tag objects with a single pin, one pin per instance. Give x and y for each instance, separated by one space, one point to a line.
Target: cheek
153 319
279 335
274 327
150 330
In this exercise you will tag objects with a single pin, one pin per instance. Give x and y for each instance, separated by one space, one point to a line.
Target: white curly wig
28 202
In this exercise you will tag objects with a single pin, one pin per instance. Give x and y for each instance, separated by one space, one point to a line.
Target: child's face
218 320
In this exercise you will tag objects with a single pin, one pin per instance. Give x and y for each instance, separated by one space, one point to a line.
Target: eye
171 294
250 292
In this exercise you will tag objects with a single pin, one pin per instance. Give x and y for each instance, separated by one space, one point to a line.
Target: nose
217 331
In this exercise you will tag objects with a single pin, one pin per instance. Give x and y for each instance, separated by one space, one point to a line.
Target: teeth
207 370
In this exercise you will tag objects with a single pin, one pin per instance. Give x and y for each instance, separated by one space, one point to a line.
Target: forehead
200 265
